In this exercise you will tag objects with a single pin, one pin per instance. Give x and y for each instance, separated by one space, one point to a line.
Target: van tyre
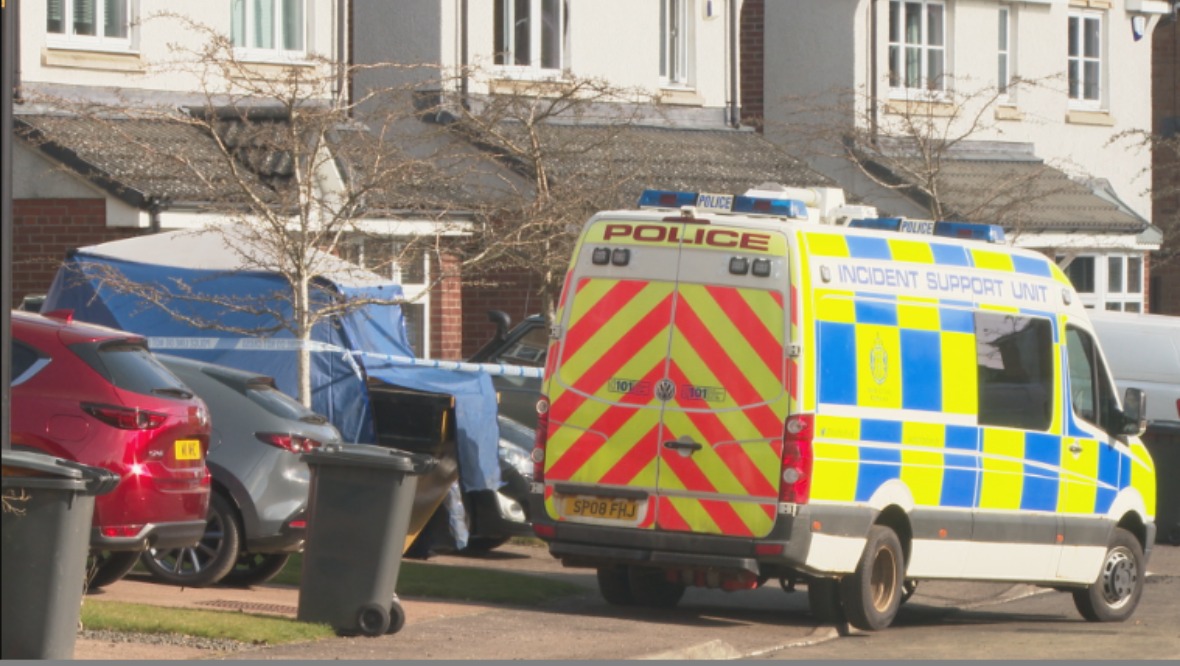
651 588
255 568
104 567
614 586
1114 596
872 593
210 559
823 597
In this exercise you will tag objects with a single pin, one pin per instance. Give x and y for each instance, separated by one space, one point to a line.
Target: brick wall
1165 277
44 230
511 293
752 58
446 313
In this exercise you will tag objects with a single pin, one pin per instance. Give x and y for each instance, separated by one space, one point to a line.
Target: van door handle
1075 448
683 445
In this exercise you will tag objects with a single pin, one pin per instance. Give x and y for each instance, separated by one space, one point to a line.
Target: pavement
708 624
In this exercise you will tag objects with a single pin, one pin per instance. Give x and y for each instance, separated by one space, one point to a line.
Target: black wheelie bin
358 514
48 510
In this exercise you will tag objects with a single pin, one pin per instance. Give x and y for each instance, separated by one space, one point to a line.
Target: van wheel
1114 596
823 597
872 593
651 588
210 559
104 567
614 586
255 568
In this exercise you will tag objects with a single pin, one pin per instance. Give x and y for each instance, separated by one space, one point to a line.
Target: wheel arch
895 518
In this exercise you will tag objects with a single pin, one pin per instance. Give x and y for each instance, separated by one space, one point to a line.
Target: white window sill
518 73
681 96
1089 117
277 58
84 57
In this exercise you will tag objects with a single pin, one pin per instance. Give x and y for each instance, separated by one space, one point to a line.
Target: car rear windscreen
130 366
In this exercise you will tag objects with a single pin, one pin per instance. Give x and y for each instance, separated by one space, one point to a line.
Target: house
1019 100
139 116
674 121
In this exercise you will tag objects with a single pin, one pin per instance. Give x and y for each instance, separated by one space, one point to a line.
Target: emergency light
991 233
724 203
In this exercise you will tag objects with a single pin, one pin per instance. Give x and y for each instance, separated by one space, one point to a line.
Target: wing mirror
1134 412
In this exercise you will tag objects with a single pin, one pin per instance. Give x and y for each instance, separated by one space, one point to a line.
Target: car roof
62 324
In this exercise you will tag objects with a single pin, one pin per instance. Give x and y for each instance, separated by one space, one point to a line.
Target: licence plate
188 449
604 508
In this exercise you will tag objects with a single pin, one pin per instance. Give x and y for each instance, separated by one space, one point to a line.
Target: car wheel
823 597
210 559
872 593
255 568
651 588
614 586
104 567
1114 596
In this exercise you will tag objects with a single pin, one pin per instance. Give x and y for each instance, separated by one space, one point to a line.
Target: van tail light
125 418
288 442
541 438
795 481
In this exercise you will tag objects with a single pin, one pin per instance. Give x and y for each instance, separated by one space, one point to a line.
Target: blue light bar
779 207
666 199
990 233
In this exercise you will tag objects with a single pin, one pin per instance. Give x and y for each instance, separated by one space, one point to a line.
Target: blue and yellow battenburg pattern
879 419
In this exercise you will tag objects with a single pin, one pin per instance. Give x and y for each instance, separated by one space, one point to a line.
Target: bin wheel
397 617
372 619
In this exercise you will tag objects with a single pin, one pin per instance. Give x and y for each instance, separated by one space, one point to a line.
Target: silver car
260 486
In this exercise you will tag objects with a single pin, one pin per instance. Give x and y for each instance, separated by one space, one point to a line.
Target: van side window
1091 394
1015 360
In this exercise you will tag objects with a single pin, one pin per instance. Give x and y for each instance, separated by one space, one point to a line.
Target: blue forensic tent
208 279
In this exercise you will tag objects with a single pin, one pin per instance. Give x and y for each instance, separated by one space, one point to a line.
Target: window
268 29
26 362
1004 52
1081 274
102 24
1090 392
674 41
1015 360
917 45
1085 59
530 33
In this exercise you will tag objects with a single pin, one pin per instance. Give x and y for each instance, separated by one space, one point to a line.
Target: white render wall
138 67
617 40
826 45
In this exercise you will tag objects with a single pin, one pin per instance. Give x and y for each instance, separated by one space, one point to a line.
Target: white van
1144 352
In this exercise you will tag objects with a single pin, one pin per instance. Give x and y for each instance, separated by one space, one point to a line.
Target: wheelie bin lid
369 455
29 469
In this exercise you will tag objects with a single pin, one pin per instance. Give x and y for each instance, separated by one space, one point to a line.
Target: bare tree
1165 189
931 150
279 156
555 134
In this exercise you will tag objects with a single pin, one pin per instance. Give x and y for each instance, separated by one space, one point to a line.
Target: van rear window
1015 361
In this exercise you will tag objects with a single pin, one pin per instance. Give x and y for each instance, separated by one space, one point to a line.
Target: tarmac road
942 620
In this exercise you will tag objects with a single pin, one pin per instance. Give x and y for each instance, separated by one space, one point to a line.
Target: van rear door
668 394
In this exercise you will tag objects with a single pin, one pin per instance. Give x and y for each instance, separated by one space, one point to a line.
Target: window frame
675 40
276 54
1080 101
899 46
1129 297
505 43
1004 54
68 39
1106 415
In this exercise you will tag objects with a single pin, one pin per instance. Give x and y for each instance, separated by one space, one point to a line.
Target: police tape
288 344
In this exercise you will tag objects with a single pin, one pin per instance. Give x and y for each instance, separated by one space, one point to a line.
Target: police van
737 392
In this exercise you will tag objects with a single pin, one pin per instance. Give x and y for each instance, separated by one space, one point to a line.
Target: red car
97 396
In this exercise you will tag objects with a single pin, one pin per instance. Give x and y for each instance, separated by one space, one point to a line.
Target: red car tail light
797 459
121 531
288 442
125 418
